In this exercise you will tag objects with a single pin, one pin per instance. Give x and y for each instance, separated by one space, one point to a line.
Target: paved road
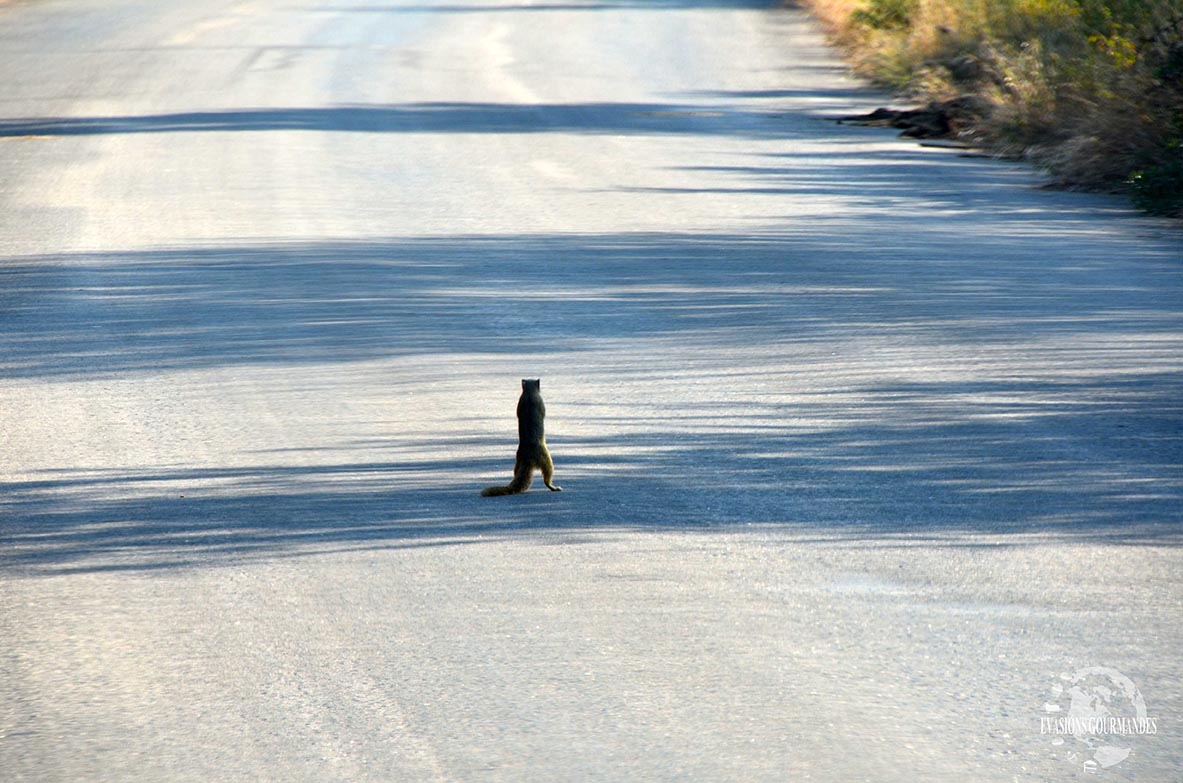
866 446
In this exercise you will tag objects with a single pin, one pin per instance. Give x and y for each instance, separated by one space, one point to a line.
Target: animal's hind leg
523 476
548 472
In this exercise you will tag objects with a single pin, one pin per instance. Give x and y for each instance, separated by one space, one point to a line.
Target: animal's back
531 418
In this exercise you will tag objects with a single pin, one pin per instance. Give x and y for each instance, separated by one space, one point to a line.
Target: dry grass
1091 90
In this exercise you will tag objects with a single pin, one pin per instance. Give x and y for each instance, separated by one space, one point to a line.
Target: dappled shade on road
973 450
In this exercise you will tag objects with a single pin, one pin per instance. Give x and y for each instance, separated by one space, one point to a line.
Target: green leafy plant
886 14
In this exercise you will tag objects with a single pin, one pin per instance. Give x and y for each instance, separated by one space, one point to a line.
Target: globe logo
1099 709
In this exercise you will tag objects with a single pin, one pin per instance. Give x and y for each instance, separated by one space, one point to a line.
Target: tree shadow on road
651 119
999 275
870 455
933 464
1040 334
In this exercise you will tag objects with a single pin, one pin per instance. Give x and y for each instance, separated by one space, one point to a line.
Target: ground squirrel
532 451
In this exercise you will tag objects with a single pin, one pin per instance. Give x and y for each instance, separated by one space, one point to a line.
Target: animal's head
531 384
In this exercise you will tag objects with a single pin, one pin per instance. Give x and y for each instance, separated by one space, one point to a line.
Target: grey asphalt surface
865 445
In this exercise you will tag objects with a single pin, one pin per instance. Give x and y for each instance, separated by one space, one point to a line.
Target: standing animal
532 452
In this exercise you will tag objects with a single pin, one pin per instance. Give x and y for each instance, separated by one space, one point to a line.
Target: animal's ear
525 382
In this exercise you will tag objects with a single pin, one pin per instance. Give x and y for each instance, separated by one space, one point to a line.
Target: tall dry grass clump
1091 90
